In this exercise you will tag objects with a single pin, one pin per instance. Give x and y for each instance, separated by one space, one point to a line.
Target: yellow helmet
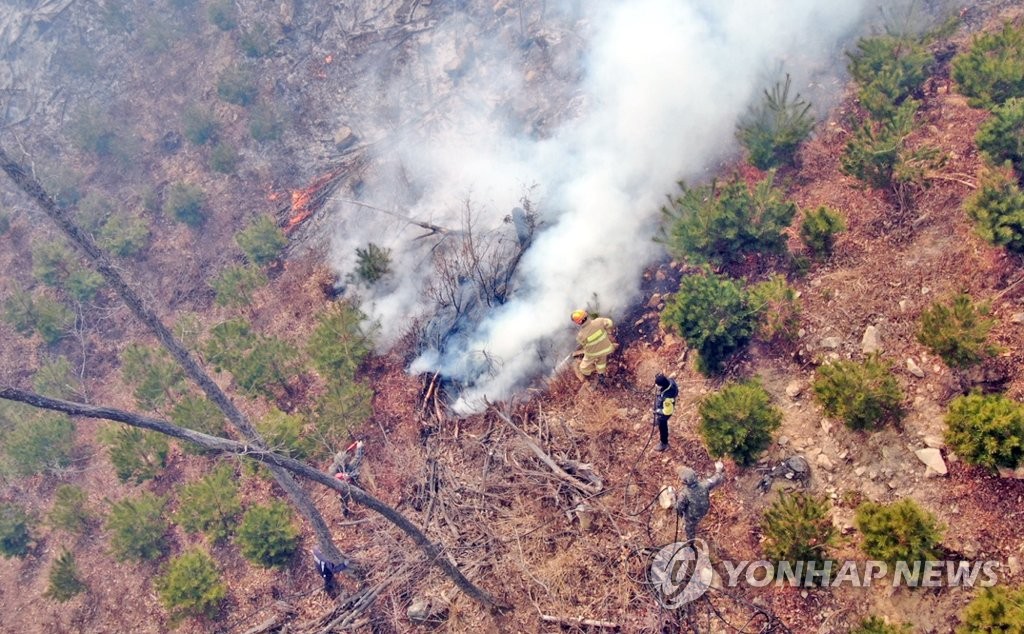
579 316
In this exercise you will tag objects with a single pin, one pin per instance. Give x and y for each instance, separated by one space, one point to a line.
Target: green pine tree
818 230
798 527
138 528
137 455
262 240
714 315
284 433
124 235
15 530
191 586
778 310
65 582
957 331
267 536
38 442
725 224
210 505
339 343
236 285
994 610
879 156
56 378
28 313
889 68
991 70
155 376
70 511
345 405
899 531
372 263
997 209
186 203
773 131
864 395
261 365
986 430
738 421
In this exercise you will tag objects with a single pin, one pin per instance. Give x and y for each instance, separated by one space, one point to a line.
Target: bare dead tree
433 552
474 270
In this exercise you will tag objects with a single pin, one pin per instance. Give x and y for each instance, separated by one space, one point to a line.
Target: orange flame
303 200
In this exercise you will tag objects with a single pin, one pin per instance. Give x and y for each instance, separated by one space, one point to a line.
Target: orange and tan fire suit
596 343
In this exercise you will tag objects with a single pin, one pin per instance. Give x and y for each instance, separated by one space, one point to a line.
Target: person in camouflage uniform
694 500
346 468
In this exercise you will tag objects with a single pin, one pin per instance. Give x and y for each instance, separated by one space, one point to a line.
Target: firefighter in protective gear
594 339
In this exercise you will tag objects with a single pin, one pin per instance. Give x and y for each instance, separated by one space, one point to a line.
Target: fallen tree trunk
31 186
433 552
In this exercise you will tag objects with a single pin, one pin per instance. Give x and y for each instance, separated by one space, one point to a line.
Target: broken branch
563 475
579 622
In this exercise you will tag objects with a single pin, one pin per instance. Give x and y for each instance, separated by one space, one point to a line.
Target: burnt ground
474 487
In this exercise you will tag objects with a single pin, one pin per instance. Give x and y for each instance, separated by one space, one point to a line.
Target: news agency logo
681 573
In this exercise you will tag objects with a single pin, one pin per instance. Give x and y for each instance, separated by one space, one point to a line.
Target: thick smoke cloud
650 96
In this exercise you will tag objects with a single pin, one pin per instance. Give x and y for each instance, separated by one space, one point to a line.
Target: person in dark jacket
326 568
666 392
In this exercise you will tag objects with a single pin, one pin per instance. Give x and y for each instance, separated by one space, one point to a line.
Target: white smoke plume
651 94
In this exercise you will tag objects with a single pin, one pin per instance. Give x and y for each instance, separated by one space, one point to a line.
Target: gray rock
932 458
794 389
1013 564
585 515
870 342
831 342
667 497
970 549
1015 474
914 369
783 441
935 442
427 610
344 138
